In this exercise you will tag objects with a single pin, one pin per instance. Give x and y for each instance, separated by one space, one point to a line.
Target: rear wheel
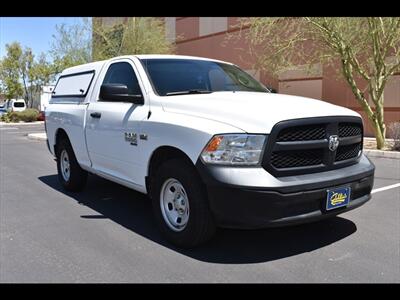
180 204
70 174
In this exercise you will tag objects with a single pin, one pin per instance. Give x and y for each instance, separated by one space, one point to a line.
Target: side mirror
118 93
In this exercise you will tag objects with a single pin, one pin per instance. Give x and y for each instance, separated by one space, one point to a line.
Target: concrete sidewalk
21 123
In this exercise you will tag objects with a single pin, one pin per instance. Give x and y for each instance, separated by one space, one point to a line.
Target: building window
210 25
302 81
306 88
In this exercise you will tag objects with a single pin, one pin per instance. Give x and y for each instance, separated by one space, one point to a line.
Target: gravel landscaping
370 144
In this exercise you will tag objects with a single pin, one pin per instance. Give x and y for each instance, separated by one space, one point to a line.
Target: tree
72 45
40 73
367 50
10 71
25 65
136 35
23 76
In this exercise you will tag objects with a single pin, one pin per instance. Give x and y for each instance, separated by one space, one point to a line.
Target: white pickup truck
209 144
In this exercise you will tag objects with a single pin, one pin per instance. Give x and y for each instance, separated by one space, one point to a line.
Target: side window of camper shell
72 87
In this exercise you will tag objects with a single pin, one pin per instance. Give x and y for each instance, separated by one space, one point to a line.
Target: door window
122 73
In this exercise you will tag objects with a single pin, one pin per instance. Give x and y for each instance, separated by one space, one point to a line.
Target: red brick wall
333 90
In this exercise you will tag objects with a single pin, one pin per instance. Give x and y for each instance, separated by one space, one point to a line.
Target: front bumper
252 198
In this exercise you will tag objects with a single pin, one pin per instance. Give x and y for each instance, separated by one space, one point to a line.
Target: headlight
234 149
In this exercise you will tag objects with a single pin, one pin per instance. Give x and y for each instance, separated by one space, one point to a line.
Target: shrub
13 116
394 132
6 117
28 115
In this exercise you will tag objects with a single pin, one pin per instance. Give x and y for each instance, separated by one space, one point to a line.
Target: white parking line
386 188
8 128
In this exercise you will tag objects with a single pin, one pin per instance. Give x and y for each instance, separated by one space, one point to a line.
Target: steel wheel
174 204
65 165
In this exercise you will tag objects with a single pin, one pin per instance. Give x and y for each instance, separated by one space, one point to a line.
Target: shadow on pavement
133 211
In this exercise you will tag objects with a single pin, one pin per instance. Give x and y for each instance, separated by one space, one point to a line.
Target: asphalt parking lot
107 233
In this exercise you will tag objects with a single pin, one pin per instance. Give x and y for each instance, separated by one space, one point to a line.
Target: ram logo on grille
333 142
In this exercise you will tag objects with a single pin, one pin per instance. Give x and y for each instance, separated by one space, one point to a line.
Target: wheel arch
58 136
161 155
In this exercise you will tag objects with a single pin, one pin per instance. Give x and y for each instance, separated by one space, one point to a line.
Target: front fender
187 133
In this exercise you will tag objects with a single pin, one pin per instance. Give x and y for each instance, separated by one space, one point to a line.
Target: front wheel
180 204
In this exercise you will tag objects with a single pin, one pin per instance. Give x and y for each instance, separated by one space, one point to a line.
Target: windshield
185 76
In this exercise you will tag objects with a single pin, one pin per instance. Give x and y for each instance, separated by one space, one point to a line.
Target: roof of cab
96 66
170 56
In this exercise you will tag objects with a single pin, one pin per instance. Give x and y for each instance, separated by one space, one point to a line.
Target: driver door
112 126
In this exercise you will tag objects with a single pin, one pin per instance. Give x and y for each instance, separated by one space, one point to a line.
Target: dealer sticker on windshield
338 198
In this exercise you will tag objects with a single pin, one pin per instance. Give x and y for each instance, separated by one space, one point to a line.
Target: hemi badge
143 136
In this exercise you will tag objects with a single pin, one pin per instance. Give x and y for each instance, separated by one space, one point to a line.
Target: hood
251 111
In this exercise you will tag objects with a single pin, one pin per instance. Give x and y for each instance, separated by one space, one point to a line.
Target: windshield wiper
188 92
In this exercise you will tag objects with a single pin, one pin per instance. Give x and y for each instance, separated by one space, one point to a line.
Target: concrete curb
382 154
41 136
21 123
374 139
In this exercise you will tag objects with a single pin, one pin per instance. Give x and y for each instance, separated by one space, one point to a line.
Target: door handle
96 115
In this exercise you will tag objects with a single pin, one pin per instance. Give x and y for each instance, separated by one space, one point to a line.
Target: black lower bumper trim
246 208
317 215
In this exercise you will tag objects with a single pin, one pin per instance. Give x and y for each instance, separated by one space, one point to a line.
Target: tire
200 226
77 178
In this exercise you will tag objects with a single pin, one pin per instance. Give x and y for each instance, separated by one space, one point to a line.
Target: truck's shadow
133 211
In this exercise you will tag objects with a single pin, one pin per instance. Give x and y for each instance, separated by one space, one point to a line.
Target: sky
33 32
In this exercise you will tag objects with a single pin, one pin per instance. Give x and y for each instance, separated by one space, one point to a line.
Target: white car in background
16 105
